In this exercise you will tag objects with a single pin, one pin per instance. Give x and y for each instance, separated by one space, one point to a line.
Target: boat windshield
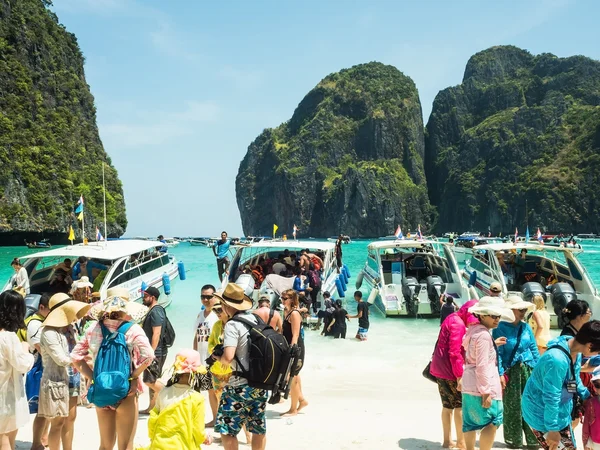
413 262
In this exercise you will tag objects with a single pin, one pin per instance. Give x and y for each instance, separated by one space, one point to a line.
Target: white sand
363 395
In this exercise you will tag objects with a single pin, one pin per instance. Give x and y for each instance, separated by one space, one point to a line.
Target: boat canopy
291 245
527 246
106 250
399 243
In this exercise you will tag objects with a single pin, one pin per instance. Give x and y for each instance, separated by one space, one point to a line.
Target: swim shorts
362 333
476 417
242 405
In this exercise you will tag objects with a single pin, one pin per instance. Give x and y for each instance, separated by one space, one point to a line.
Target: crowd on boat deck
495 364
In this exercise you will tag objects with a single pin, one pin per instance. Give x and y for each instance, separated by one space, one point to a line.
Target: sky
182 87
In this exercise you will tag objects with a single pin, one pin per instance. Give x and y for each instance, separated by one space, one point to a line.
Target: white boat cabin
408 277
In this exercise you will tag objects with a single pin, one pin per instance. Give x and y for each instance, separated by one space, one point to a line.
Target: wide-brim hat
492 306
135 310
64 310
188 361
234 297
118 292
83 282
516 302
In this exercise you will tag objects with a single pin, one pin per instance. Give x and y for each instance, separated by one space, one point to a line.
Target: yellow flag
71 234
275 228
80 216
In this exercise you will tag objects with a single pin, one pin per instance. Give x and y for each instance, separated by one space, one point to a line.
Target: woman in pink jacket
481 388
447 367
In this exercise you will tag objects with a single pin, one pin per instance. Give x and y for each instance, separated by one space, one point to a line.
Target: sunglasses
494 317
217 310
285 298
524 310
206 297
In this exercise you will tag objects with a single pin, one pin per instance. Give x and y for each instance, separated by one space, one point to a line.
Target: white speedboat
407 277
171 242
265 253
555 272
130 263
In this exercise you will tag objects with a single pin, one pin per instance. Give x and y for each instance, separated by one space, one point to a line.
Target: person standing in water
362 315
220 249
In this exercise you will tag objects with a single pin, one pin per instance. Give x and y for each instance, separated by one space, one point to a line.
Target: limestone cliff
518 128
349 160
51 151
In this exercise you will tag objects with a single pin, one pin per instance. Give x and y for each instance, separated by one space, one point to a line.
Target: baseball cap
153 292
495 287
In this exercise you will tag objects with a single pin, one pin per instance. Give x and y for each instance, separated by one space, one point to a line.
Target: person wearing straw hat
481 388
56 402
518 358
240 404
117 422
178 400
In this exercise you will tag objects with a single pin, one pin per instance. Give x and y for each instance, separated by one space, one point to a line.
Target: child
178 401
338 321
590 433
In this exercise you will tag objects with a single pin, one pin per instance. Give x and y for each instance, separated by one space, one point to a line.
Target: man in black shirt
153 326
362 316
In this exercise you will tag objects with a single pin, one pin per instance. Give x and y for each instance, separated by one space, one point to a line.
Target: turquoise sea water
201 269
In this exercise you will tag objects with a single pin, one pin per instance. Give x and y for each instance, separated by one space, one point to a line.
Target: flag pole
82 222
104 195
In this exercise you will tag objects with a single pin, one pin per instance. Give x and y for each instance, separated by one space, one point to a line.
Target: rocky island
350 159
51 151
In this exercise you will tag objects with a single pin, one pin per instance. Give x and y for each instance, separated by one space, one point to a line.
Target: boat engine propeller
410 291
435 288
562 293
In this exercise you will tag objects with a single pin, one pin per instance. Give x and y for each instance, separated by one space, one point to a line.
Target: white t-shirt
34 333
203 328
279 267
22 279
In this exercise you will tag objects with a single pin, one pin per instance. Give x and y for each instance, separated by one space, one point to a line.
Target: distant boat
44 243
587 236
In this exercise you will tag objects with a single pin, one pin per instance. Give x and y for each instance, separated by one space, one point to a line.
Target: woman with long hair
21 283
292 327
15 360
117 422
540 323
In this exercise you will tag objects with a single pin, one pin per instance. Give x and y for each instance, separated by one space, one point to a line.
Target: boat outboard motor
532 288
410 291
562 293
32 304
435 288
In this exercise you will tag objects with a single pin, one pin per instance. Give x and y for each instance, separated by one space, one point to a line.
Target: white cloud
158 127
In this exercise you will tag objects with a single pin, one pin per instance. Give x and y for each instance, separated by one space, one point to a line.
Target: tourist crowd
495 364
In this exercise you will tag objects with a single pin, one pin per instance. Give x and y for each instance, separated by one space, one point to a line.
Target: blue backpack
112 368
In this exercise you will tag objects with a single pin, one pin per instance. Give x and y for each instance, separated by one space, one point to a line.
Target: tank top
542 340
287 330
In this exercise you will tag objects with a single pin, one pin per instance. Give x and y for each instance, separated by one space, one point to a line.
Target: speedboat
345 239
462 244
131 264
171 242
247 258
44 243
554 272
407 277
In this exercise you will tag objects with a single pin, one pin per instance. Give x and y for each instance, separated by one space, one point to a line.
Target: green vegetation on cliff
349 160
519 128
51 150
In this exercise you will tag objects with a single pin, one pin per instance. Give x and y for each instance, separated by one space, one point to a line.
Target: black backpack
269 355
168 332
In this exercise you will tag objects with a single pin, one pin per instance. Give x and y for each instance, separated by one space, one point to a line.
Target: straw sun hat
64 310
136 311
234 297
82 282
492 306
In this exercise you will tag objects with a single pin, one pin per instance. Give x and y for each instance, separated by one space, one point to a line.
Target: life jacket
258 275
316 263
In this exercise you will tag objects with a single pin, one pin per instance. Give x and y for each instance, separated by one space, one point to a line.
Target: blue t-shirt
222 248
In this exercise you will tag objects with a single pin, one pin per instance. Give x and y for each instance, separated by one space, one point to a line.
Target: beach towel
278 283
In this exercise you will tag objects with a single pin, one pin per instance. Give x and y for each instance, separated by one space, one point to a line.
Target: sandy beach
363 396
